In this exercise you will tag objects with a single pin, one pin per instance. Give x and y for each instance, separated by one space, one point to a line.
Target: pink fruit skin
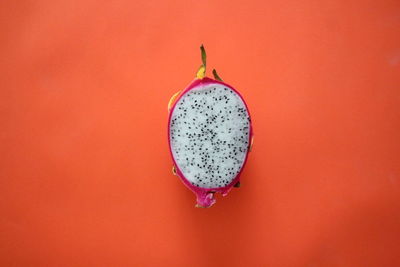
205 196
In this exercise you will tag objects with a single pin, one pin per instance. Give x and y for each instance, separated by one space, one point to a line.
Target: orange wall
85 172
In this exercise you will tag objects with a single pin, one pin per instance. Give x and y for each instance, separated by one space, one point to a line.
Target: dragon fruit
210 135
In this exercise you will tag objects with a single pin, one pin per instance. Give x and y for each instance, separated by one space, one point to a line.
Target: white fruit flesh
209 135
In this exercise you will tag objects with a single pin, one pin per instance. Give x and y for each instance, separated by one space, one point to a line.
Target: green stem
203 56
216 76
201 73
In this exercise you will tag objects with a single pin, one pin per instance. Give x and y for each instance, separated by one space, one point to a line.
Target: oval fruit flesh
209 135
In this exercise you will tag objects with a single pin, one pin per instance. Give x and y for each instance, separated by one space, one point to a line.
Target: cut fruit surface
209 135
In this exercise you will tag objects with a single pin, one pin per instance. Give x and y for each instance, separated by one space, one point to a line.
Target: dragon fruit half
210 135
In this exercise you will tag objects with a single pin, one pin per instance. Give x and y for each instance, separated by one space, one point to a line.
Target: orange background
85 172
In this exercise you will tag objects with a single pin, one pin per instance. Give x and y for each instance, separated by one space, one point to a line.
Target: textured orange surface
85 172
